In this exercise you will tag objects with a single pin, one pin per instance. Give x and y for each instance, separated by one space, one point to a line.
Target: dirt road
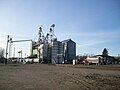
59 77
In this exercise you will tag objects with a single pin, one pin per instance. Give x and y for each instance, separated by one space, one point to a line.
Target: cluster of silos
49 50
56 53
63 52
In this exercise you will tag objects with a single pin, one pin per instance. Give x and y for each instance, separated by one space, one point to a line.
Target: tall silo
69 50
60 52
46 53
57 52
54 52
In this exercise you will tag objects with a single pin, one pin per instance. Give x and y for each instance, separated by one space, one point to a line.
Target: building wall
45 53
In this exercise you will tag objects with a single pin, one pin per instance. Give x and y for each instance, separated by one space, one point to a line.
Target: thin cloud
94 34
90 43
93 37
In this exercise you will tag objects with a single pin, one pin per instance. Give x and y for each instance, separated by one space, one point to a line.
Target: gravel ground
59 77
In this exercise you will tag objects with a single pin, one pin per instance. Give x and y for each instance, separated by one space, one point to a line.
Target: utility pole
7 49
10 48
21 56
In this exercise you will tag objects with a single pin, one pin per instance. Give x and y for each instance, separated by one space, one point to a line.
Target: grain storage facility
49 50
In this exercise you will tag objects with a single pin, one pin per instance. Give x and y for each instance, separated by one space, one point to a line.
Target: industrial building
47 49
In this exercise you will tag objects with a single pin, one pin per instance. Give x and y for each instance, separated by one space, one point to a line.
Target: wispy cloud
111 33
90 43
85 39
81 37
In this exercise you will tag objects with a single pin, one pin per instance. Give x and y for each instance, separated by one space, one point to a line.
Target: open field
59 77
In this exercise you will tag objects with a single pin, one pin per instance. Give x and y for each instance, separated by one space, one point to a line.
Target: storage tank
57 52
31 48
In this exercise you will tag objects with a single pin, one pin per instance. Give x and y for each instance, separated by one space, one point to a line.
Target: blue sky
92 24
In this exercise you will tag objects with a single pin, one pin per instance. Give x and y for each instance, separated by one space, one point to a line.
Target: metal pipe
21 40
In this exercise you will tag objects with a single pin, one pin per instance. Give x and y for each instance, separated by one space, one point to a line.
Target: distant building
107 60
100 60
69 50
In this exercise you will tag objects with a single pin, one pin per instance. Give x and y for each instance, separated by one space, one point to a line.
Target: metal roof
67 40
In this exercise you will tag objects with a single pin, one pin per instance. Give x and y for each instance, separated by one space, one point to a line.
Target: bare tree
1 52
2 59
